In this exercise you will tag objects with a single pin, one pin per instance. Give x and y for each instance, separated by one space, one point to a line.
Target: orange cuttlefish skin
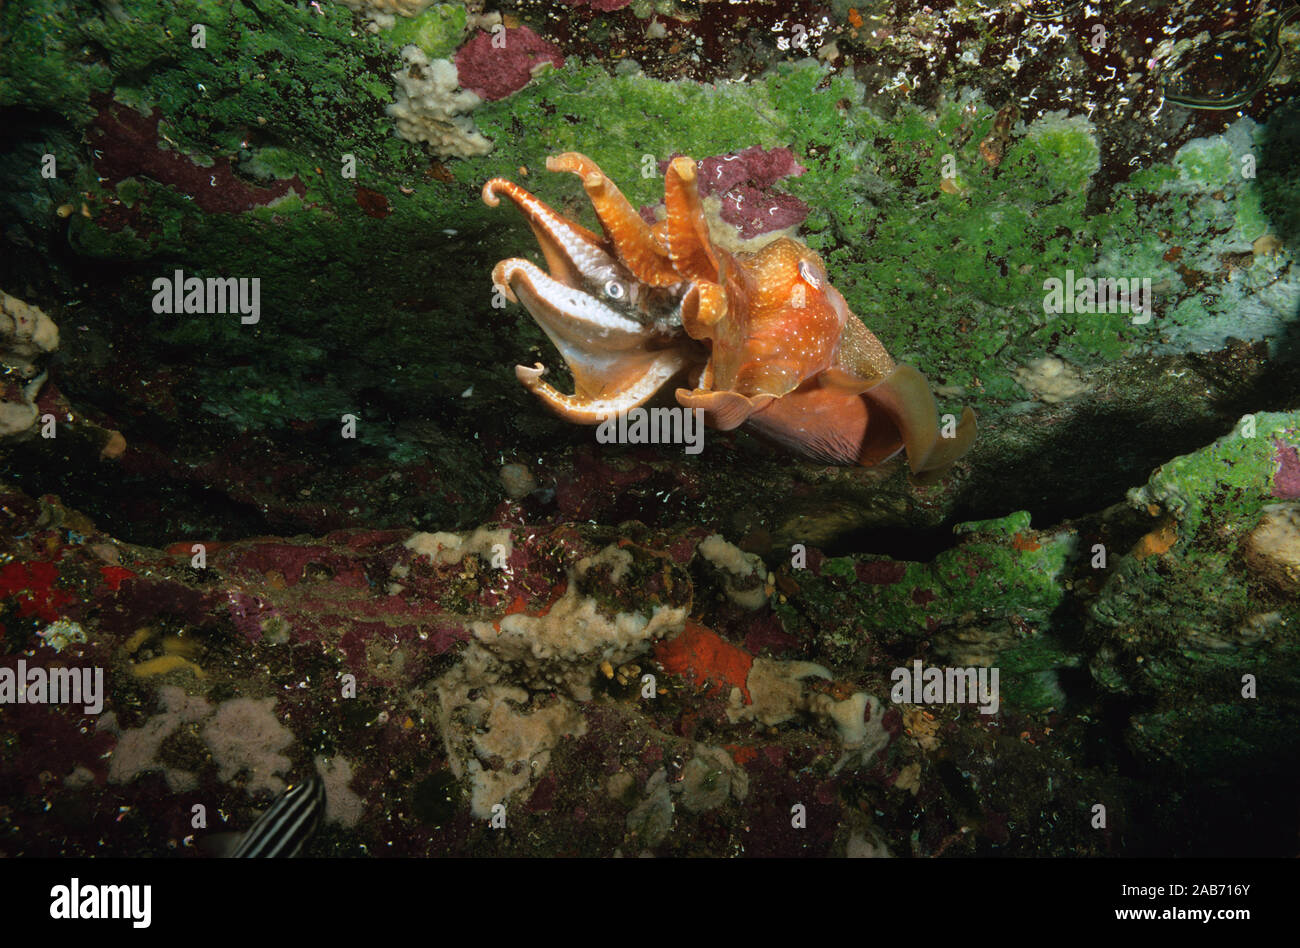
762 338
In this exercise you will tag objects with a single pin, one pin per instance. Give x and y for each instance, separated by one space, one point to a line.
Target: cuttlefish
759 339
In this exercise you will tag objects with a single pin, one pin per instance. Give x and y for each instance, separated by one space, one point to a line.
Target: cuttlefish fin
689 245
722 410
636 244
829 424
845 382
904 395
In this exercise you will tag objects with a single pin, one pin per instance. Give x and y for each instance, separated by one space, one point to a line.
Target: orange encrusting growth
703 657
1158 542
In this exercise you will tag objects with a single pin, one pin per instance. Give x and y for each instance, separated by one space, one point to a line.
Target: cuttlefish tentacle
612 340
634 242
606 351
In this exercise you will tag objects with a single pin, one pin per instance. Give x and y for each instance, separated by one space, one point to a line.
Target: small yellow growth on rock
164 664
114 448
178 652
1158 542
26 334
909 778
1051 380
179 644
138 638
1266 245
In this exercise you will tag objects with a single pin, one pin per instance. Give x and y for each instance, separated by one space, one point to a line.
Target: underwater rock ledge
519 667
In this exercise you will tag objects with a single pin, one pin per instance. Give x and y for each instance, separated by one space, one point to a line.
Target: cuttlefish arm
687 233
618 361
592 410
635 243
567 246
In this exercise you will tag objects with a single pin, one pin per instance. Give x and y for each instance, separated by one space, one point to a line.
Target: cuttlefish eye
809 275
614 290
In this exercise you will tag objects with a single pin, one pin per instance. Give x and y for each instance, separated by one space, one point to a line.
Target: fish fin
220 845
829 426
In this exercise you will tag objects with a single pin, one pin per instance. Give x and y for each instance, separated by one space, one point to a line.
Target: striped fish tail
284 829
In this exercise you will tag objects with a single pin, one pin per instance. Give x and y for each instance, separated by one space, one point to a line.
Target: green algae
1226 484
624 123
1168 624
1182 629
1000 575
437 30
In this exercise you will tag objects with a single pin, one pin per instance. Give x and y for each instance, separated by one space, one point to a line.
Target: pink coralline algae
1286 482
755 166
743 181
880 572
494 72
754 212
127 145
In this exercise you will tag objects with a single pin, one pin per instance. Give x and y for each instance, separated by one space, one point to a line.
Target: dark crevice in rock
915 544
